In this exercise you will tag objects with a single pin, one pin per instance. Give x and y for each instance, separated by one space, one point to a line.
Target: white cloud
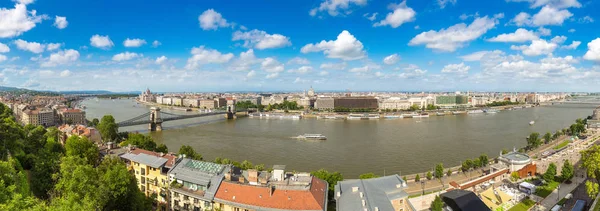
251 74
65 73
24 1
365 68
477 56
401 14
60 22
571 30
334 7
391 59
455 36
536 48
323 73
156 43
272 75
102 42
133 43
33 47
546 16
161 60
212 20
521 35
271 65
53 46
553 3
298 60
301 70
456 68
544 31
202 55
4 48
572 46
245 61
61 57
558 39
261 40
345 47
586 19
13 22
593 52
333 66
125 56
443 3
371 17
2 58
412 71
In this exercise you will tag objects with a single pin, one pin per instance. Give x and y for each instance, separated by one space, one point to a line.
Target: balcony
187 191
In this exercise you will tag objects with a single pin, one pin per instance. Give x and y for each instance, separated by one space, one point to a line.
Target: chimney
227 176
252 176
271 190
241 179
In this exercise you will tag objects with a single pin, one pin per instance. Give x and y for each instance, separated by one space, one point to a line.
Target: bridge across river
154 118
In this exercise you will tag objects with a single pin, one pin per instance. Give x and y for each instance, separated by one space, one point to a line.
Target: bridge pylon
155 120
230 109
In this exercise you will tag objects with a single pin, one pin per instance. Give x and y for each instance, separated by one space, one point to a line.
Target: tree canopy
189 152
108 128
368 176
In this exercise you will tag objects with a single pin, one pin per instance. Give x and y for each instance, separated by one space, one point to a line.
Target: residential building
195 184
191 102
151 171
221 102
451 101
67 131
208 104
383 193
72 116
177 101
254 190
394 103
325 103
273 99
38 116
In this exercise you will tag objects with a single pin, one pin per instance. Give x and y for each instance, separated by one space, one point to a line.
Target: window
186 206
176 194
236 209
196 208
143 180
143 171
143 188
186 198
196 200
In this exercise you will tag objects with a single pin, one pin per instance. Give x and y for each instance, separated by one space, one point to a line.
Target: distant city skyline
266 46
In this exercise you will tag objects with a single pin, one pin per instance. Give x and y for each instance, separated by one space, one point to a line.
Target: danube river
352 147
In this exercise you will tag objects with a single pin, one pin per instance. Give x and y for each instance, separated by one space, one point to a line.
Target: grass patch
545 190
562 201
420 194
523 205
561 145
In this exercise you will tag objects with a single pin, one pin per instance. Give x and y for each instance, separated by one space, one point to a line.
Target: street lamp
558 192
423 187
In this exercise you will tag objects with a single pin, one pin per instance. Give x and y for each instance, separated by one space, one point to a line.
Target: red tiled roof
171 158
313 199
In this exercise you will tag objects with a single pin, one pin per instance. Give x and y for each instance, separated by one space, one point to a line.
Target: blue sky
425 45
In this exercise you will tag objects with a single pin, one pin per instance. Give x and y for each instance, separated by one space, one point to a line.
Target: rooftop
376 192
516 156
149 160
211 168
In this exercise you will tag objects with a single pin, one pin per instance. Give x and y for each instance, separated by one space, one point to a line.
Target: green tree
404 178
547 137
141 141
533 141
189 152
108 128
567 171
437 204
591 188
449 173
514 176
484 160
94 122
439 171
331 178
260 167
368 176
417 178
477 163
83 148
246 165
550 172
467 165
429 176
218 160
590 161
162 148
504 151
47 163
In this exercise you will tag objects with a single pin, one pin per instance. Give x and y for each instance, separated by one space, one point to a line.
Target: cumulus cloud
559 39
2 59
477 56
333 66
271 65
53 46
536 48
546 16
156 43
334 7
456 68
261 40
572 46
125 56
586 19
455 36
521 35
345 47
161 60
212 20
65 73
251 74
544 31
443 3
412 71
133 43
102 42
4 48
593 53
391 59
301 70
370 16
553 3
366 68
401 14
61 57
16 21
298 60
33 47
202 55
60 22
245 61
272 75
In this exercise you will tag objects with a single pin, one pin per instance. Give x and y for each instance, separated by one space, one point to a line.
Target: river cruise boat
363 116
440 114
491 111
475 112
532 122
458 112
392 116
422 115
409 115
312 137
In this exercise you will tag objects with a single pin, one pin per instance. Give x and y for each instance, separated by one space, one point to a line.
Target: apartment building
151 171
194 184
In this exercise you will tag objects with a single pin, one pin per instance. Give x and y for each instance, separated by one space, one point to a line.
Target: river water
352 147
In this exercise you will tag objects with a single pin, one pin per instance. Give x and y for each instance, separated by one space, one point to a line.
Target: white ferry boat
475 112
409 115
458 112
422 115
532 122
491 111
440 114
392 116
354 116
312 137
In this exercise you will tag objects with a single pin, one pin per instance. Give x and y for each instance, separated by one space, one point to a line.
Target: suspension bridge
155 117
